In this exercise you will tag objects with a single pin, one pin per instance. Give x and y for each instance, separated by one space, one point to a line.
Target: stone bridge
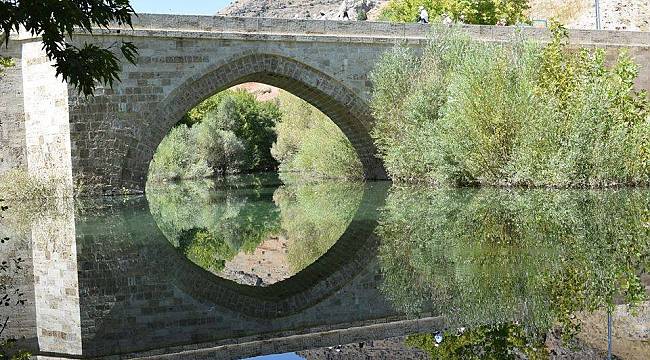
106 142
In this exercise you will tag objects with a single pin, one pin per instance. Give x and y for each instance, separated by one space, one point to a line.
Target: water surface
256 265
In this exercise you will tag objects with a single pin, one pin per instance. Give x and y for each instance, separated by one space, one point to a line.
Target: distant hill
631 15
302 9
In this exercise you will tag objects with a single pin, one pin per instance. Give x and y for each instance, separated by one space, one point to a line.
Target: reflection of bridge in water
122 289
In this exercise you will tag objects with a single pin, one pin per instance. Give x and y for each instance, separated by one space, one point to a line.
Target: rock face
302 9
632 15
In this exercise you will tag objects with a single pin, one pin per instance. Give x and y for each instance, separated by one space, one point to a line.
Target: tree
55 21
484 12
5 62
309 142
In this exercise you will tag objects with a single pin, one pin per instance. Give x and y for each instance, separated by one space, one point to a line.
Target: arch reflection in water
505 267
254 229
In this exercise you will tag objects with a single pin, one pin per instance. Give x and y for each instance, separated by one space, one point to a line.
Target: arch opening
349 112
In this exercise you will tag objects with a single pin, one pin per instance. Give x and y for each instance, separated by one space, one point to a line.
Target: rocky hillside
630 15
301 9
633 15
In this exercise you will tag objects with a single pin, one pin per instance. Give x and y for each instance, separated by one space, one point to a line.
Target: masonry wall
47 126
43 313
13 152
133 120
34 119
56 285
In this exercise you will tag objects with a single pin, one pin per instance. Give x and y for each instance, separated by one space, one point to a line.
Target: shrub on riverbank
487 12
468 112
231 132
310 143
19 185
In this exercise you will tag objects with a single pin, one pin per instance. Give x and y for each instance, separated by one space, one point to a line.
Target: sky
184 7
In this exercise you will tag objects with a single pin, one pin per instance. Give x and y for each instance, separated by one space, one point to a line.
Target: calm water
258 265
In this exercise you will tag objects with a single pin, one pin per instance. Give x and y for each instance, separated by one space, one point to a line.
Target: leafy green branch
56 21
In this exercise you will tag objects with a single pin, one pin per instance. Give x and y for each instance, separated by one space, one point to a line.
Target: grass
18 185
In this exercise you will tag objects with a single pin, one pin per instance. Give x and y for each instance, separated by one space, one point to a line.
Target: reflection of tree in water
315 215
486 258
212 222
501 341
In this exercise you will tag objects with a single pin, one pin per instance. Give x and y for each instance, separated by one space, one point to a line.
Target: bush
597 128
230 132
491 98
177 157
468 112
309 142
19 185
253 122
197 113
221 149
485 12
409 93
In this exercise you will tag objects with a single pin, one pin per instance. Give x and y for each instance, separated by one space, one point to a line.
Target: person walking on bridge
343 11
423 17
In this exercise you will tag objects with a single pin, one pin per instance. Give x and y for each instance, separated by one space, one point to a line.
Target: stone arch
346 109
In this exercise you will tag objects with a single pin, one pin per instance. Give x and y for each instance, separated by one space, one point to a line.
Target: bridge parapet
368 29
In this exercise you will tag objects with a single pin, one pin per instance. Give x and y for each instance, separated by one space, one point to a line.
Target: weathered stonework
185 59
56 286
47 126
12 114
34 119
43 312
